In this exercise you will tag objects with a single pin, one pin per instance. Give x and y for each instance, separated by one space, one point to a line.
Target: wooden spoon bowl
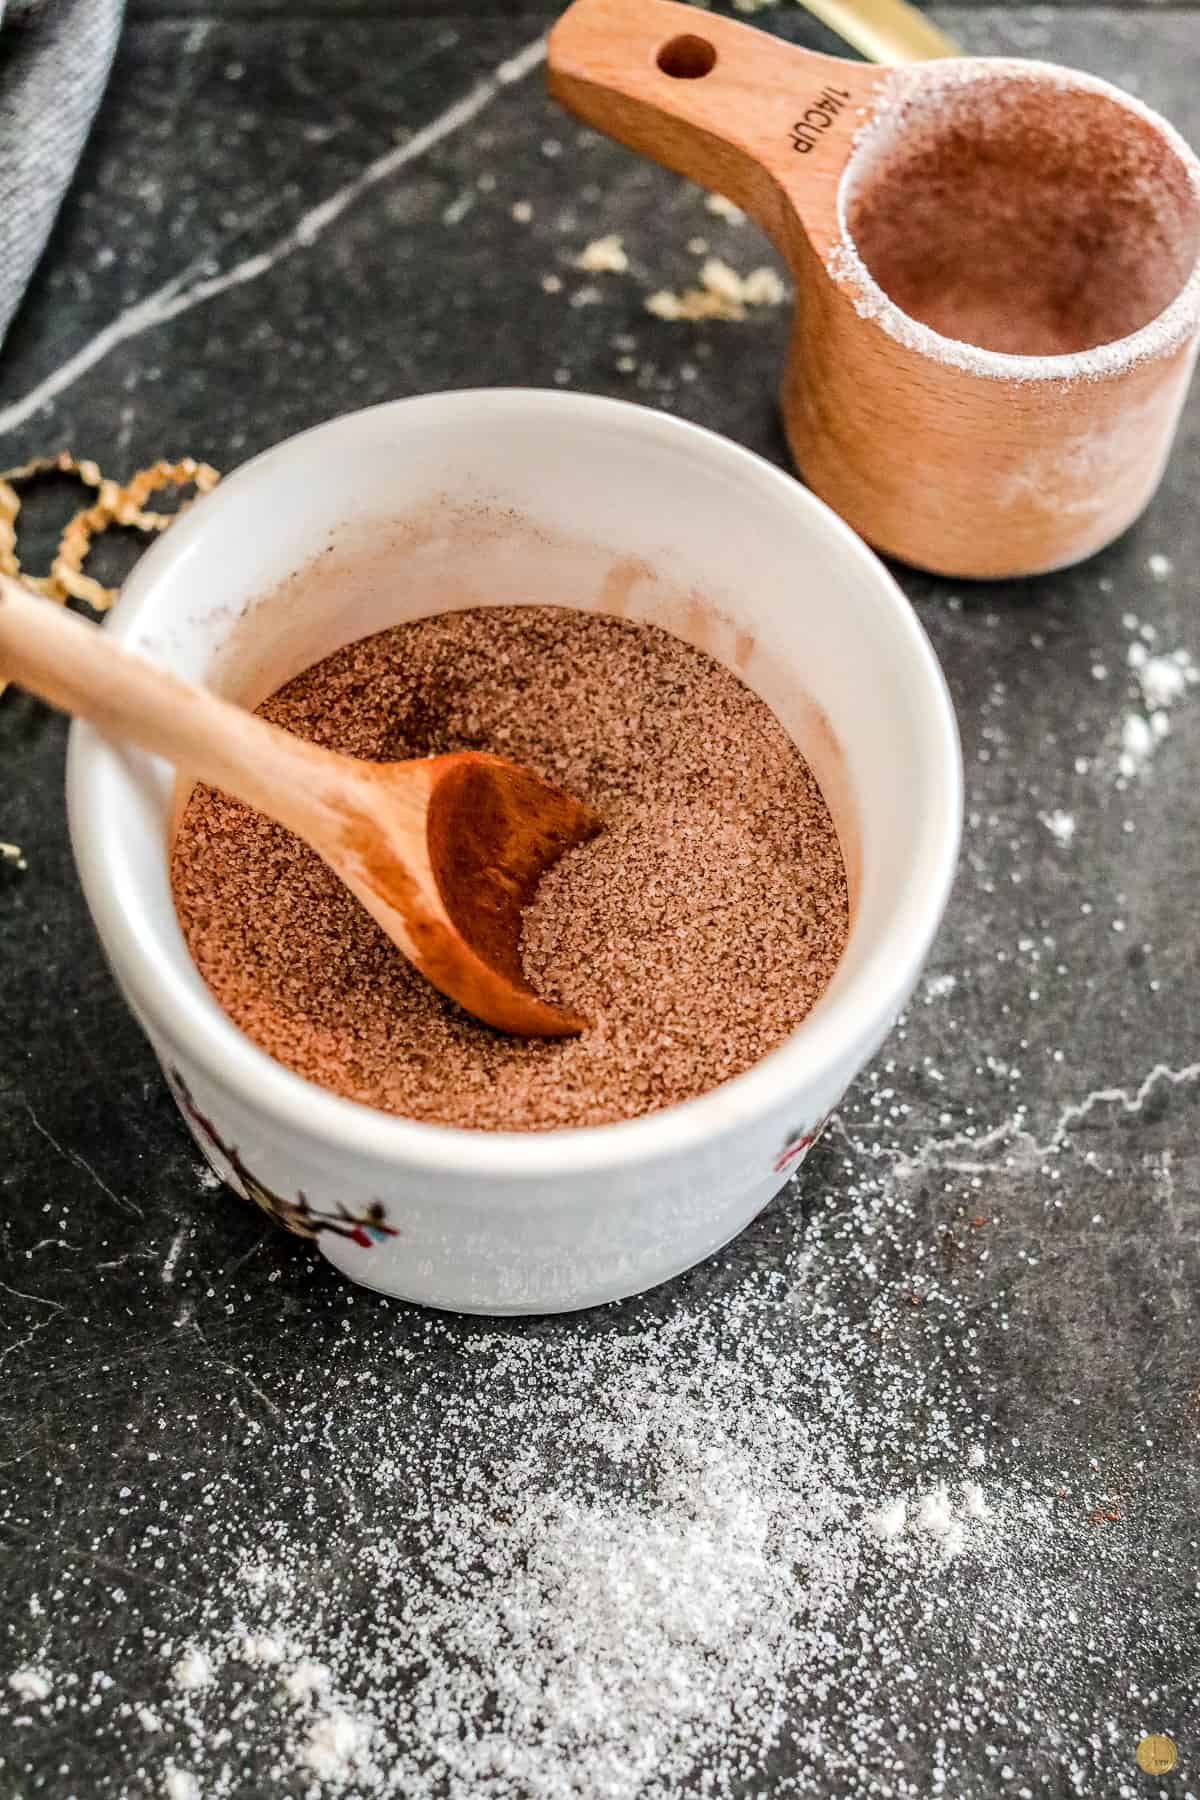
445 852
997 269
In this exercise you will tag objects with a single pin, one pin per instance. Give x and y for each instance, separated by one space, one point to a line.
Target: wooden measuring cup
997 269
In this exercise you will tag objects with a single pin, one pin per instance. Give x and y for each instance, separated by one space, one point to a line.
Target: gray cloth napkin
54 60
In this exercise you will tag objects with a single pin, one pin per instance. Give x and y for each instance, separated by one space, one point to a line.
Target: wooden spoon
444 851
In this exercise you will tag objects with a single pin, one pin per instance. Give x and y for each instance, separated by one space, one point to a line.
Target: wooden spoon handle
76 667
732 108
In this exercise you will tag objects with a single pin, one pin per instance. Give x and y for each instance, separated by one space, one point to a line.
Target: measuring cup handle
734 109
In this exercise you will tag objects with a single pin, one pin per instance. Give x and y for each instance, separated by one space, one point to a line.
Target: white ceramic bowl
510 497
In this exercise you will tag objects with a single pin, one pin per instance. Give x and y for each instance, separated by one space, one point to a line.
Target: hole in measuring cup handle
687 58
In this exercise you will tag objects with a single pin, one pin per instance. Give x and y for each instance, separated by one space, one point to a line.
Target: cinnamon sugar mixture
695 933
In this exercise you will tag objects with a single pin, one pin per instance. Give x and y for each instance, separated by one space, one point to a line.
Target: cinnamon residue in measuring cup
694 934
1026 211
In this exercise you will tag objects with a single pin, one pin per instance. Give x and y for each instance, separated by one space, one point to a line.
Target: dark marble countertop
989 1272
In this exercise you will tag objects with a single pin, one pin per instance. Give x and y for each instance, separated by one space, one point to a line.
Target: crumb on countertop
725 209
722 294
604 256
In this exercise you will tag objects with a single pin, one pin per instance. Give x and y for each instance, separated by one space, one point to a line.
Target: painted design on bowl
797 1146
365 1228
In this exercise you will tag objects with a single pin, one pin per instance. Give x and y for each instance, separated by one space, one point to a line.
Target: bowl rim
838 1031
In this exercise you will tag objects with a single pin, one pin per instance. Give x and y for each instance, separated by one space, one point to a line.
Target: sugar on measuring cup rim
904 96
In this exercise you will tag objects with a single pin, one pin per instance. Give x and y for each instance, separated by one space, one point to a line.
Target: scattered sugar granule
939 987
974 1504
331 1743
1139 739
587 296
13 853
725 209
1060 825
976 1456
953 1539
1137 742
207 1179
305 1679
934 1514
193 1670
260 1649
30 1684
149 1721
1159 565
889 1521
605 256
1165 679
698 246
180 1784
552 284
522 212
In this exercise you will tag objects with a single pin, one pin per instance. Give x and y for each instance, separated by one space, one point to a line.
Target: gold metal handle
884 31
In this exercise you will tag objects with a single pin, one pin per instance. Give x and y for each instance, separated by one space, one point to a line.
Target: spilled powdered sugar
193 1670
657 1606
1164 679
635 1637
1139 739
29 1684
758 1536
